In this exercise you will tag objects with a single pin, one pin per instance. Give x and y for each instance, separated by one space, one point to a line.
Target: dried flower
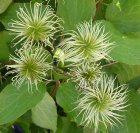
36 23
30 66
85 75
89 43
102 103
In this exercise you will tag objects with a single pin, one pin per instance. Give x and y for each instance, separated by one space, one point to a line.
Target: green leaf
66 97
135 83
126 49
4 5
75 11
14 103
125 72
6 17
4 129
44 114
36 129
66 126
124 14
4 49
11 13
131 123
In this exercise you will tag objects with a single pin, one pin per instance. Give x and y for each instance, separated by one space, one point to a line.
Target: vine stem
97 8
55 88
110 64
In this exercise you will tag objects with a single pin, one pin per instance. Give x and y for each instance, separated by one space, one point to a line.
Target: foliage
51 106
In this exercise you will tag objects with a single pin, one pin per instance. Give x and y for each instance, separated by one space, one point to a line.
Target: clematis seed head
30 66
102 103
34 24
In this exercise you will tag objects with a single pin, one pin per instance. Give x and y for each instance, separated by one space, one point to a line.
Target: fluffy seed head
85 75
102 103
36 23
30 66
90 42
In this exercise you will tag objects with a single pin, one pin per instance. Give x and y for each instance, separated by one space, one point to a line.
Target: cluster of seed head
33 30
100 100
